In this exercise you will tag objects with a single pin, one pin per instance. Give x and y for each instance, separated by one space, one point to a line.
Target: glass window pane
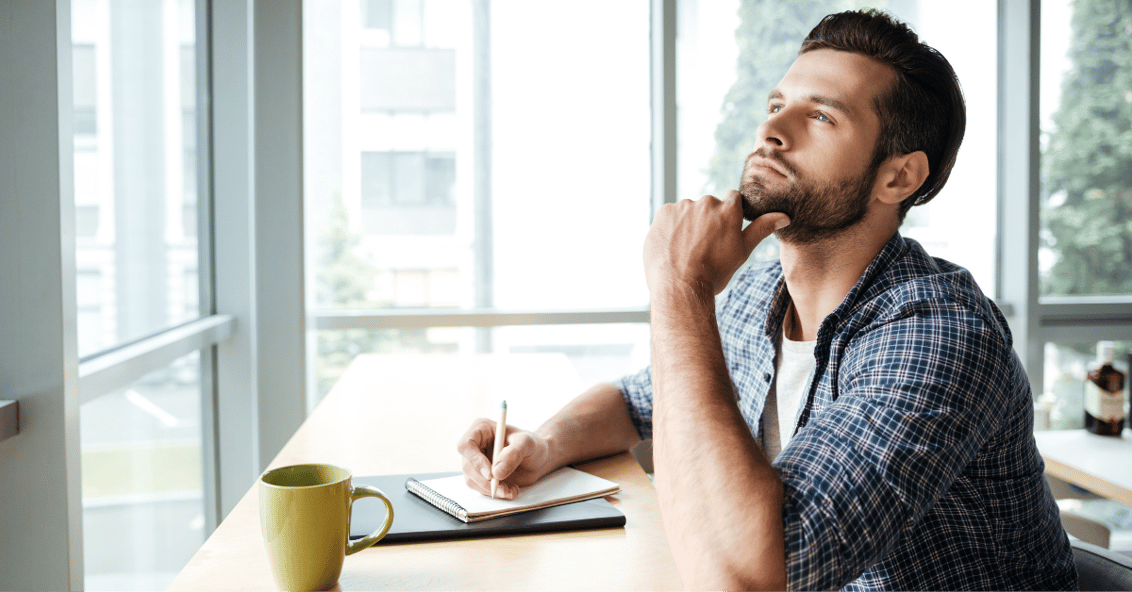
722 91
84 89
377 14
1086 166
408 178
593 353
377 181
142 490
508 157
135 155
440 179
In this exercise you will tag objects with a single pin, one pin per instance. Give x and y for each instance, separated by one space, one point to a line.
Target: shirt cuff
636 389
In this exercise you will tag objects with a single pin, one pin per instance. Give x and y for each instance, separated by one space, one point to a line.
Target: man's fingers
762 227
471 446
474 447
519 447
521 462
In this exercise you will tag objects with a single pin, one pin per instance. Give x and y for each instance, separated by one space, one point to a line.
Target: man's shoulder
917 284
919 277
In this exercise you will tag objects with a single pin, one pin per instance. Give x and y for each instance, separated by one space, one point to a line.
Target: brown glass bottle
1104 395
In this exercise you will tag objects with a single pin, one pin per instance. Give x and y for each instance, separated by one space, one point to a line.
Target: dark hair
924 108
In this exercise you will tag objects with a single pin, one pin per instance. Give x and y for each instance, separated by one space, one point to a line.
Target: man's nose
773 134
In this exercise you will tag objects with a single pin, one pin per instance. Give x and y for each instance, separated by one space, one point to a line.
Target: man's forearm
595 424
720 499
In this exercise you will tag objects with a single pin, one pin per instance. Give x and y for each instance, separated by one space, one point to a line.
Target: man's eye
823 117
774 108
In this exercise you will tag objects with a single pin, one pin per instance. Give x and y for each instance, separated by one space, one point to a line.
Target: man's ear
901 175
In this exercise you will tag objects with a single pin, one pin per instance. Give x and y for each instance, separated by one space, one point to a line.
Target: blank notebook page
562 486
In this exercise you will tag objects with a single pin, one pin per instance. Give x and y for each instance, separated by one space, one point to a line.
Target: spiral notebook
566 485
416 520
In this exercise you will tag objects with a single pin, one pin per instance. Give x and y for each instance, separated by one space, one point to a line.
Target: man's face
815 150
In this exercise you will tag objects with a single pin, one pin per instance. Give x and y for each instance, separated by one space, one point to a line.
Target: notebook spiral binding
431 496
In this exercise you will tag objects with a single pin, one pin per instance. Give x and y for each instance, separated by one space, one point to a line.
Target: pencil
500 435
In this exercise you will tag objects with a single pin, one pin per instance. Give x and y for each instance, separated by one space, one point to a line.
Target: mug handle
367 541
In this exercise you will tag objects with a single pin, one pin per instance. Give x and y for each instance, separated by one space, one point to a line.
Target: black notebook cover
416 520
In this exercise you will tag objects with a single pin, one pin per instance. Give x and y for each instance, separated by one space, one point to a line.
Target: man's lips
766 164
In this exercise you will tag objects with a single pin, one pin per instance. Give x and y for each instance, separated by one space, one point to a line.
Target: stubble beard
818 211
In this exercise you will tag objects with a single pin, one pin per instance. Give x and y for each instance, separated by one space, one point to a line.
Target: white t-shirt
795 363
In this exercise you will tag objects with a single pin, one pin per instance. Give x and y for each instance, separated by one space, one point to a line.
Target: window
408 179
486 165
85 90
146 508
1084 284
531 136
1085 243
86 160
143 506
136 161
1086 172
377 14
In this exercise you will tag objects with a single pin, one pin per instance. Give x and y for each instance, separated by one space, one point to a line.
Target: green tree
344 276
1087 165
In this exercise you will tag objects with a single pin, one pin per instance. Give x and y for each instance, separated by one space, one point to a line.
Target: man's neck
819 275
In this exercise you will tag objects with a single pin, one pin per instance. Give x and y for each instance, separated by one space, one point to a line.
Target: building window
377 14
408 179
84 89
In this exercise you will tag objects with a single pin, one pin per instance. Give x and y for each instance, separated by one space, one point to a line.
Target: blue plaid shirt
913 463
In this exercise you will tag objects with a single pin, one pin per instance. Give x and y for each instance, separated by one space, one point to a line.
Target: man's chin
753 208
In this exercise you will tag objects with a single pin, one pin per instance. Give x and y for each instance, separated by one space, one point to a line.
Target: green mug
305 514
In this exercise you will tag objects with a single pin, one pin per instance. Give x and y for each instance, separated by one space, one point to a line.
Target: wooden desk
1101 464
403 414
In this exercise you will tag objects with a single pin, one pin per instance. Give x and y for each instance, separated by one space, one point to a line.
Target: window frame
118 366
1035 320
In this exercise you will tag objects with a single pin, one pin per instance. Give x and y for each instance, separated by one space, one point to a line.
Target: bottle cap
1104 351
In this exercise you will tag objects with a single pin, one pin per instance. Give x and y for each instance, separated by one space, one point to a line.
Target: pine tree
1087 166
344 277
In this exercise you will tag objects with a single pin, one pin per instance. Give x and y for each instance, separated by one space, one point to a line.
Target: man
880 382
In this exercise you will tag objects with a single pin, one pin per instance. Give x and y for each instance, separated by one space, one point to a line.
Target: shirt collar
893 250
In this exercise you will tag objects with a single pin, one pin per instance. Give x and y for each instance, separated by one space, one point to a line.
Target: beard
817 210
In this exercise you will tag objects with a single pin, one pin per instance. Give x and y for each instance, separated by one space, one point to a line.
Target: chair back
1086 529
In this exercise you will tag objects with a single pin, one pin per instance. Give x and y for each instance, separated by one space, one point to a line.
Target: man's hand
524 459
701 244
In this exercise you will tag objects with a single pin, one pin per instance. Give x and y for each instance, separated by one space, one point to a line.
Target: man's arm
720 500
596 423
